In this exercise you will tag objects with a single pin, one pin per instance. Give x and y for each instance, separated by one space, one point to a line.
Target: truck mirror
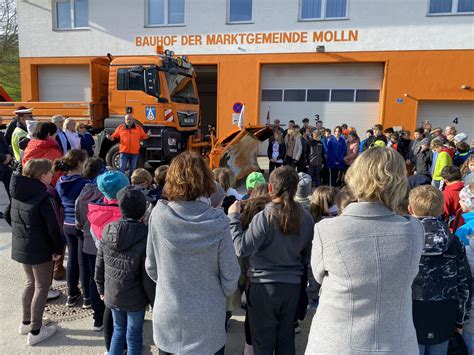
152 84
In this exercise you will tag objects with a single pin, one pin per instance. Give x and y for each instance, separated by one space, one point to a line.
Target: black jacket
371 140
36 235
120 266
9 132
423 162
442 288
404 148
281 150
316 153
4 150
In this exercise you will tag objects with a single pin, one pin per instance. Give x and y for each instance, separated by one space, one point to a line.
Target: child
423 159
316 158
253 179
303 191
120 273
462 153
69 187
276 151
441 290
441 158
141 178
453 185
323 203
467 170
226 179
36 243
344 198
160 177
92 169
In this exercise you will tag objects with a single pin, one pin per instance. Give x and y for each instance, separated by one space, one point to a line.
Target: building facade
359 62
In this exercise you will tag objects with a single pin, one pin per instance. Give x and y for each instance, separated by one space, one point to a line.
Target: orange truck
161 94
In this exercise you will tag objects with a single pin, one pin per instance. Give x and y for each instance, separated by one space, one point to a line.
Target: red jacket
129 138
451 199
43 149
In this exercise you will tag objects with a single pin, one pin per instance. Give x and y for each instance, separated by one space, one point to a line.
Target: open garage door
64 83
444 113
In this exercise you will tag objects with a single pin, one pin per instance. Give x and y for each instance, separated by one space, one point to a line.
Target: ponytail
286 214
71 160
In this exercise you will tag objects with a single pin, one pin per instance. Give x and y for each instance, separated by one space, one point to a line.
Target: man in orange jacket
130 135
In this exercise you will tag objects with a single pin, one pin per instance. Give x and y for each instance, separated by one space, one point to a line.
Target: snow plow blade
238 151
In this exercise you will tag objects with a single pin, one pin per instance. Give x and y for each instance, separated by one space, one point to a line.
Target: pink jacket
352 152
102 213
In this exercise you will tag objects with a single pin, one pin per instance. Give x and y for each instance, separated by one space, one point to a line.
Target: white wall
114 24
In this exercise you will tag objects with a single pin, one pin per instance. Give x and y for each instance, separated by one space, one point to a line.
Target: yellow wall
423 75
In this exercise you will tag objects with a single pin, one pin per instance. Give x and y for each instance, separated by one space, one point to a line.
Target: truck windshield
181 88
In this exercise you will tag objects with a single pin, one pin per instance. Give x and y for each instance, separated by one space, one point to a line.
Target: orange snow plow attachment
238 151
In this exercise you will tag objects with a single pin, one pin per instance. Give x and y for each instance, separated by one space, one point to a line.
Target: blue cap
110 182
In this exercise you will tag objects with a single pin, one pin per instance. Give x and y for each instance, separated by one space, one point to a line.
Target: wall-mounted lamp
466 87
320 49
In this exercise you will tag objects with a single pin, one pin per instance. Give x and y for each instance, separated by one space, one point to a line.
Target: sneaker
45 333
297 327
53 295
86 304
72 300
25 328
98 326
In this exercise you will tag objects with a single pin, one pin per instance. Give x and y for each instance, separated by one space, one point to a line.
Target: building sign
248 38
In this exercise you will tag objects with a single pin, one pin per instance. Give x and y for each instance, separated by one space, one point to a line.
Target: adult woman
71 134
353 145
276 151
366 260
278 242
69 187
191 258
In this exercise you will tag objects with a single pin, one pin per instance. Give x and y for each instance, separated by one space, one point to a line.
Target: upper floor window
323 9
447 7
165 12
239 11
71 14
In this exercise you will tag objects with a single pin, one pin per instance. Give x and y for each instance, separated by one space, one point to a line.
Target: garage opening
207 88
62 83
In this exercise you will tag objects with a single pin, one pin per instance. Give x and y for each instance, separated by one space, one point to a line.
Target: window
181 88
130 80
447 7
121 79
323 9
71 14
272 95
165 12
239 11
295 95
318 95
342 95
367 95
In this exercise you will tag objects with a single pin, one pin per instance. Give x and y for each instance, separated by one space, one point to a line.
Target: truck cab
160 93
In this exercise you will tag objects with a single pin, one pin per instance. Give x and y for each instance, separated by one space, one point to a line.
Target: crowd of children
185 243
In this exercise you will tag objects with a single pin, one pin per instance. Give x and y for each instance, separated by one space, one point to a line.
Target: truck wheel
112 158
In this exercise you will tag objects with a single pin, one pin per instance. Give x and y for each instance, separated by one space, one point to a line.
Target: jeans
97 304
273 166
35 295
315 172
77 266
128 327
469 340
435 349
128 160
272 311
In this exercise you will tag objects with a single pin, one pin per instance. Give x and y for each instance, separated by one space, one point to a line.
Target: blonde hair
67 121
188 178
426 200
225 177
379 175
322 199
141 177
34 168
260 190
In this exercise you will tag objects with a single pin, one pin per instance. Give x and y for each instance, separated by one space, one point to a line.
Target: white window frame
454 10
73 16
166 16
323 13
229 22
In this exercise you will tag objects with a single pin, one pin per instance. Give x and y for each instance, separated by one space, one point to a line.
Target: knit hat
217 196
132 202
304 186
467 197
425 141
110 182
254 179
460 137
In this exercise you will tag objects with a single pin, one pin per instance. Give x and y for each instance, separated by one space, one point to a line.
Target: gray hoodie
191 258
89 193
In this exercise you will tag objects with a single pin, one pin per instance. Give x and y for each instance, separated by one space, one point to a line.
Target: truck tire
112 158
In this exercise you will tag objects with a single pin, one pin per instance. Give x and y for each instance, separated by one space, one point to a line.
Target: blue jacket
87 143
466 229
69 187
336 151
